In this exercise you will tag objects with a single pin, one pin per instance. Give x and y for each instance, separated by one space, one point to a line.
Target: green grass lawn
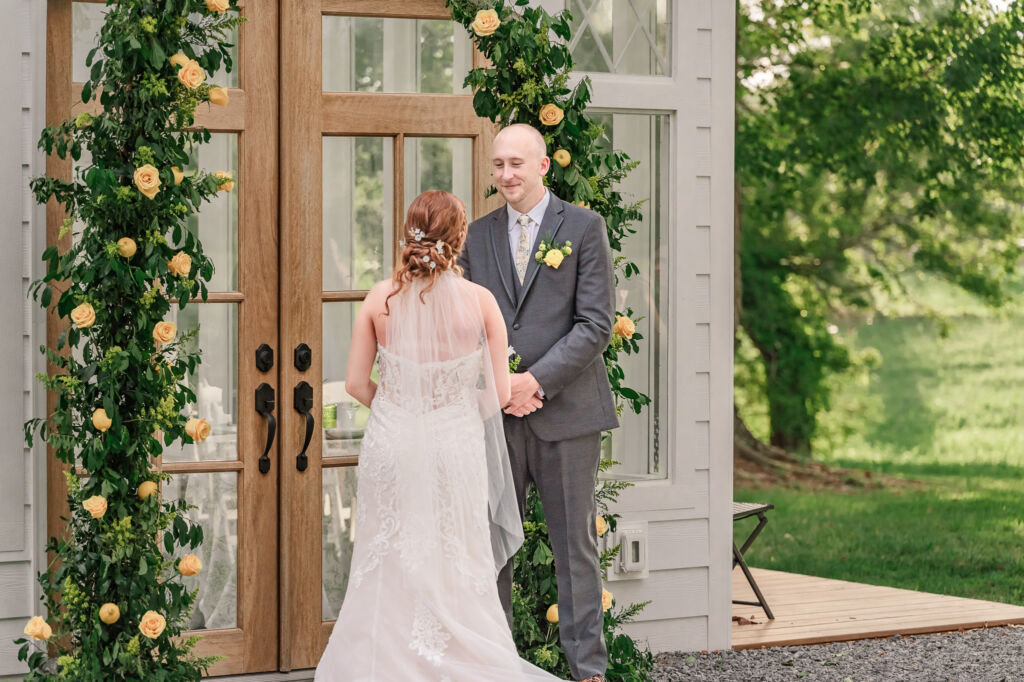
947 412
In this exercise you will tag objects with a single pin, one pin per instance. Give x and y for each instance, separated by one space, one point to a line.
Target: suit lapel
548 229
502 256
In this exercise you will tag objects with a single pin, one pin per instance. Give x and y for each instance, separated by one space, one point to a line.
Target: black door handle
304 406
265 406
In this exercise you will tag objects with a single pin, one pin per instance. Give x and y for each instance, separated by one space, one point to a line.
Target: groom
559 319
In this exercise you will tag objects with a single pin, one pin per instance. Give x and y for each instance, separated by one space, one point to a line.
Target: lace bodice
435 385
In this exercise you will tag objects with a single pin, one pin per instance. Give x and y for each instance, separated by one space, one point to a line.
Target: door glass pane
216 224
338 534
216 497
439 163
215 382
638 445
86 21
358 223
373 54
621 36
343 418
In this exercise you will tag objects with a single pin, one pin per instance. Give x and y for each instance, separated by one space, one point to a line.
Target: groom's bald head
519 163
523 134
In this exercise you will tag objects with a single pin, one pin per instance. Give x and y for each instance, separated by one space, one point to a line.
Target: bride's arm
363 351
497 344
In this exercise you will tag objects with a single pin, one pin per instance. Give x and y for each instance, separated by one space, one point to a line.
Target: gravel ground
992 655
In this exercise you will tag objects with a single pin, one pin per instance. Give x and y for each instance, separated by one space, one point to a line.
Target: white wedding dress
436 513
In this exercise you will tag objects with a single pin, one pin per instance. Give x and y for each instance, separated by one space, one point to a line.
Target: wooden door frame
252 114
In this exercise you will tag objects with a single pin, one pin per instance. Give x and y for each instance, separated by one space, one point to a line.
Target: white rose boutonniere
550 253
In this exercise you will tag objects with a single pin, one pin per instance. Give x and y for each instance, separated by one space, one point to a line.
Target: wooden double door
340 112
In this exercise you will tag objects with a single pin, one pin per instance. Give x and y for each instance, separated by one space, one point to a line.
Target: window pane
373 54
216 496
343 418
86 22
216 224
439 163
338 534
621 36
215 382
358 195
637 445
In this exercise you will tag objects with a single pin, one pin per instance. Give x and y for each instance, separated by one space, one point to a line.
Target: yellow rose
606 599
553 258
178 175
83 316
602 525
96 506
552 614
224 186
152 624
181 264
164 332
190 565
550 115
217 5
100 419
109 613
178 60
218 96
197 429
485 23
37 628
583 204
147 179
624 327
562 158
191 75
126 247
147 488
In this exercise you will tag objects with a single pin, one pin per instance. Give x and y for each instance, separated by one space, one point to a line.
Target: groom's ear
545 165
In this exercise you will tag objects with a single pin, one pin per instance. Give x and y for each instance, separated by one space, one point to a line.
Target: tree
872 137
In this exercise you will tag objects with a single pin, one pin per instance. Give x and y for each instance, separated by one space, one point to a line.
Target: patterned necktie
523 248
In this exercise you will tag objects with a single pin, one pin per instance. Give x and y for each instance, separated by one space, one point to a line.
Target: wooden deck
811 610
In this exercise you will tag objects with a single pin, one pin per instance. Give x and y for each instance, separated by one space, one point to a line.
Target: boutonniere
514 359
551 253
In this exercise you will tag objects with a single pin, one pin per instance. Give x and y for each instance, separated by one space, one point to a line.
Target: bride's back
431 345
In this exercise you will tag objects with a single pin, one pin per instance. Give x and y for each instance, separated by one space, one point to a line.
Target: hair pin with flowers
418 234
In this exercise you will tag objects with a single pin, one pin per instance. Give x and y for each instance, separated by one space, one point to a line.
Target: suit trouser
565 473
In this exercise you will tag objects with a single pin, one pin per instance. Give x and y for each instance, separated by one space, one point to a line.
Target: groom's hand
524 399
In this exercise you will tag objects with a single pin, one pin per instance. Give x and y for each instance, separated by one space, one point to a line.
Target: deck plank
812 610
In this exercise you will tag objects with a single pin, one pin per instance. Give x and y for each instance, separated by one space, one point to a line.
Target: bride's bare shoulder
378 294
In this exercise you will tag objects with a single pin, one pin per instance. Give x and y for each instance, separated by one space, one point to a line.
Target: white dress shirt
536 216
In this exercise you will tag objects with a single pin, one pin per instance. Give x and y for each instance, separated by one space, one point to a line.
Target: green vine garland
527 83
114 593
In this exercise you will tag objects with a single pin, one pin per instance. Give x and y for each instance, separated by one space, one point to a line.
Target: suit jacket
559 320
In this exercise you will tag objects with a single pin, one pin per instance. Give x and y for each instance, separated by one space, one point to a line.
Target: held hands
525 398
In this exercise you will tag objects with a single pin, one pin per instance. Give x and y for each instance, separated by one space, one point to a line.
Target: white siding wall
22 482
689 515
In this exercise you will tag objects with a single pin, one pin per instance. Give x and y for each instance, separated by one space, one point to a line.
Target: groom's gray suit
559 321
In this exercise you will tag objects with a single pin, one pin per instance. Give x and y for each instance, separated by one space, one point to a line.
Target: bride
436 514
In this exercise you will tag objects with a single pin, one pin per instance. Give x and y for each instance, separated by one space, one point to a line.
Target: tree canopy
872 137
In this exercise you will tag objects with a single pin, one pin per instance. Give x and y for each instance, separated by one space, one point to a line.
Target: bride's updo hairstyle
434 234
